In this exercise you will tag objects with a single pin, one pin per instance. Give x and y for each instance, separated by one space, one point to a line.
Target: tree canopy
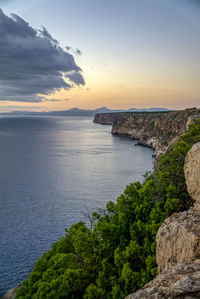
117 255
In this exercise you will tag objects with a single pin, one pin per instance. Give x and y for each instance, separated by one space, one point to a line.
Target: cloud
72 50
75 77
17 108
57 100
78 52
32 63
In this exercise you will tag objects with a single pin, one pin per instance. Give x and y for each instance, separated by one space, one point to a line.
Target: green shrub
117 256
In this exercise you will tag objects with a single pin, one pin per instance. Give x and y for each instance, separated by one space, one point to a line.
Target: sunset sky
120 54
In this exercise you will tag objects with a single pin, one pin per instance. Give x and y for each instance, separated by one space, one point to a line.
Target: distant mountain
81 112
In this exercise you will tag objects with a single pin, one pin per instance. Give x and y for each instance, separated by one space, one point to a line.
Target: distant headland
80 112
156 129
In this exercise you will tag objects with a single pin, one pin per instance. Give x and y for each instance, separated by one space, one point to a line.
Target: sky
60 54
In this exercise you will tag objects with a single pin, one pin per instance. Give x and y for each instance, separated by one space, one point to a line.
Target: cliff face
192 174
181 282
106 118
178 239
156 130
178 245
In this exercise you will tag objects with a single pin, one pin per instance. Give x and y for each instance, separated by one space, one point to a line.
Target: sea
53 172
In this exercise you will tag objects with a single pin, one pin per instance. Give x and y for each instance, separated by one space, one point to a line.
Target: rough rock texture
106 118
182 281
178 239
10 294
192 173
178 245
157 130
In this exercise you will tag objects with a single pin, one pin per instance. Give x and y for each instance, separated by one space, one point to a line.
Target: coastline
11 293
156 130
124 146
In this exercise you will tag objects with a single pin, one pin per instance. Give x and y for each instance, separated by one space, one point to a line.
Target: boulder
178 239
192 173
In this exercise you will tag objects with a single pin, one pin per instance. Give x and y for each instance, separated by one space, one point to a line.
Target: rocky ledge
178 245
10 294
178 239
181 282
158 130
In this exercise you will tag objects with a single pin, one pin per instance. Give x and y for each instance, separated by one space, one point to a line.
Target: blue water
53 170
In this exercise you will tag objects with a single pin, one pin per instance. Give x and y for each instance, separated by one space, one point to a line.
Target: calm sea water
52 170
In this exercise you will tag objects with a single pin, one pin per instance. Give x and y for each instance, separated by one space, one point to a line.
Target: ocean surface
53 171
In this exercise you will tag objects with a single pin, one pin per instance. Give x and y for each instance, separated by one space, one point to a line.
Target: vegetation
117 255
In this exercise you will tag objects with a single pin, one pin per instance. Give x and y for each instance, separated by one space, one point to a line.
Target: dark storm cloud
32 62
46 34
75 77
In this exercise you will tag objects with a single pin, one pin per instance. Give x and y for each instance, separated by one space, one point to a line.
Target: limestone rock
10 294
178 239
156 130
105 118
178 245
192 173
182 281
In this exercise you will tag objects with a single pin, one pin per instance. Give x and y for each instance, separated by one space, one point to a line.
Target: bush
117 256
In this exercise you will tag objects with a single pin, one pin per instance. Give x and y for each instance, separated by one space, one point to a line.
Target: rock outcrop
192 173
10 294
178 239
106 118
182 281
157 130
178 245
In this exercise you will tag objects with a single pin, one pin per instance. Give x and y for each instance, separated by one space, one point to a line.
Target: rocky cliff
157 130
107 118
178 245
10 294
